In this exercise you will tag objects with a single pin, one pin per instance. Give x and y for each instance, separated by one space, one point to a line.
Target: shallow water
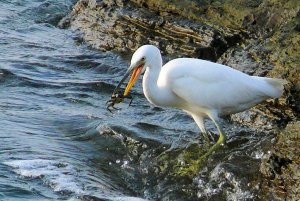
58 141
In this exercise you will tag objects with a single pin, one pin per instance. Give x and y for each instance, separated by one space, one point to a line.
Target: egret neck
156 93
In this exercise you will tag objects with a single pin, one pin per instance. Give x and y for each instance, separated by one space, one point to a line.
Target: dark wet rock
258 37
125 25
282 167
272 49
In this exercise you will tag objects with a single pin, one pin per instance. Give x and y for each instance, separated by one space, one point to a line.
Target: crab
115 99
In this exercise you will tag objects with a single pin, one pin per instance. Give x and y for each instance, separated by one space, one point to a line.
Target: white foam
220 179
125 198
61 177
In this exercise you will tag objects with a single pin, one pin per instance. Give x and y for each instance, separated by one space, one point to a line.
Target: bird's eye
143 58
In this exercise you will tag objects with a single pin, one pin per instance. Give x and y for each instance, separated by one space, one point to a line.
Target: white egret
201 88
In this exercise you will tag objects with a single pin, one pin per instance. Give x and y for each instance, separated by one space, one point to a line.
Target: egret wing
222 91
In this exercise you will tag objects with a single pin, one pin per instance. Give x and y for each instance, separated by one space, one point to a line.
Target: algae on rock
281 168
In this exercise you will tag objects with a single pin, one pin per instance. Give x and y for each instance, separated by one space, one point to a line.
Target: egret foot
195 166
205 136
192 168
189 163
209 136
221 140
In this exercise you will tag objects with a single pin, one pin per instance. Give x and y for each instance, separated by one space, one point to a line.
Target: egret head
143 57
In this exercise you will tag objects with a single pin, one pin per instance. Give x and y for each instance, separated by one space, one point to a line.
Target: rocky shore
258 37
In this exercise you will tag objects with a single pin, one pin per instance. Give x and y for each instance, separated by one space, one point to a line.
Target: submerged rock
258 37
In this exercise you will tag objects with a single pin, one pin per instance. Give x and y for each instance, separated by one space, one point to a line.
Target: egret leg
211 136
205 136
196 165
200 123
221 140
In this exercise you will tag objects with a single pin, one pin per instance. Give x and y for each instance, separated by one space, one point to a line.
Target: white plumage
201 88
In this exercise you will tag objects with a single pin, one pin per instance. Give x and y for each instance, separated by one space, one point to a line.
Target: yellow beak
134 76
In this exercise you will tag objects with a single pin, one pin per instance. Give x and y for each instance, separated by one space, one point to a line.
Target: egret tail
276 86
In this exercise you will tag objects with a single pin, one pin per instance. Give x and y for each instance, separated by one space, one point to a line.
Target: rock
272 49
125 25
281 168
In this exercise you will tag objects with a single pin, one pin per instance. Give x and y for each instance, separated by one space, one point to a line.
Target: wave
60 176
64 178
